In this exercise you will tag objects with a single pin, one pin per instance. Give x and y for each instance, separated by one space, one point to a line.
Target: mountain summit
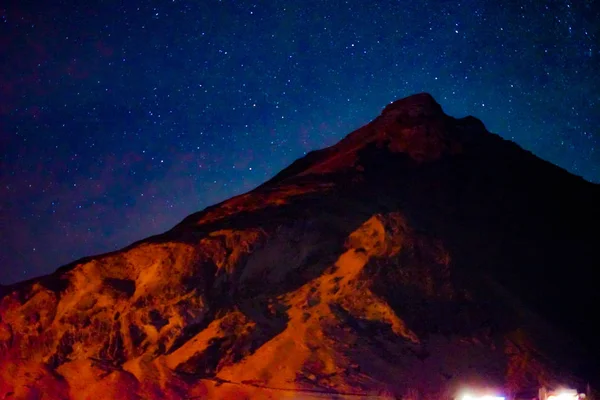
418 256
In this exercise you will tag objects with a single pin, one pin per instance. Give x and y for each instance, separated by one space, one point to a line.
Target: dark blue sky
118 119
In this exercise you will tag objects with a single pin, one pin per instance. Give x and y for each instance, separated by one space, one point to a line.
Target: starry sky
118 119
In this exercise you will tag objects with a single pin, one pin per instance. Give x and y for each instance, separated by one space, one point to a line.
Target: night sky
118 119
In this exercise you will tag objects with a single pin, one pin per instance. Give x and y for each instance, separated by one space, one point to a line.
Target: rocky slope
418 255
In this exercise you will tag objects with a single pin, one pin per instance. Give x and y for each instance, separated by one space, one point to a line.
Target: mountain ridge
428 243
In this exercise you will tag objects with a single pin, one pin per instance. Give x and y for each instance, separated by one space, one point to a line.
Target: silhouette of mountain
417 256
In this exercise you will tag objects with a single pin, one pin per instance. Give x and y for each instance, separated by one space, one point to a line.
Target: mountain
419 255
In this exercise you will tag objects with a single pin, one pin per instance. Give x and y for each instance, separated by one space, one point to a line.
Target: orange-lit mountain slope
417 256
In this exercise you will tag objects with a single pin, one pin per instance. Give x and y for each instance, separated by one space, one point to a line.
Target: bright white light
564 395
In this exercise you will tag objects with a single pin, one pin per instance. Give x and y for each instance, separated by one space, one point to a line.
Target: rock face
418 255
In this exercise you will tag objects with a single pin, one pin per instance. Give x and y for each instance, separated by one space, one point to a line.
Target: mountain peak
416 105
415 126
